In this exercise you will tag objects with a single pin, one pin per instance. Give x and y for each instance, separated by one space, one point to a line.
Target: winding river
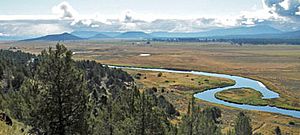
240 82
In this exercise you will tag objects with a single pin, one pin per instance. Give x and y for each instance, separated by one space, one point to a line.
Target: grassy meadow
252 97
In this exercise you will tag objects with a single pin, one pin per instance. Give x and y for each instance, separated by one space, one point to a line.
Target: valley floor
277 66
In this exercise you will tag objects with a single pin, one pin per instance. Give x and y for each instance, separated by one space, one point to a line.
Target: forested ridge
53 94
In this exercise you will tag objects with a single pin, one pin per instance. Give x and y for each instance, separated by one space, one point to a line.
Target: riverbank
252 97
180 83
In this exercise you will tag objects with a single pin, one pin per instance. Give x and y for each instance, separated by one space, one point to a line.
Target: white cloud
281 14
65 11
34 27
286 8
3 35
44 29
129 27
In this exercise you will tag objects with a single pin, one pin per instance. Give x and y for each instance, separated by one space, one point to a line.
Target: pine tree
24 103
62 106
198 122
277 131
243 125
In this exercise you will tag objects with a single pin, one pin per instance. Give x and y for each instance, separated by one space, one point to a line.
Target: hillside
106 91
55 37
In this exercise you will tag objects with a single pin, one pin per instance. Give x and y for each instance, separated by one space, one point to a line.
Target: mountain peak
55 37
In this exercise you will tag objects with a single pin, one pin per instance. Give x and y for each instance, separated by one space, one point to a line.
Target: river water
240 82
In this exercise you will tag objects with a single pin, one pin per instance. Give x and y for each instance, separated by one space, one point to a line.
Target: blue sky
41 17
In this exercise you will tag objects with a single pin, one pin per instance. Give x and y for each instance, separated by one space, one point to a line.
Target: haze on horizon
35 17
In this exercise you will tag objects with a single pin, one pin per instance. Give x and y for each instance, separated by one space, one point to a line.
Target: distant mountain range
99 36
84 34
282 35
253 32
90 34
134 35
56 37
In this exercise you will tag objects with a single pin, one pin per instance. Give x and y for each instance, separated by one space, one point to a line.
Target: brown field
277 66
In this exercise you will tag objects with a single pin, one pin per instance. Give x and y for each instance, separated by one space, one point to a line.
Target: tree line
233 40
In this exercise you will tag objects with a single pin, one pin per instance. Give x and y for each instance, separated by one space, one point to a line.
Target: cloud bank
281 14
